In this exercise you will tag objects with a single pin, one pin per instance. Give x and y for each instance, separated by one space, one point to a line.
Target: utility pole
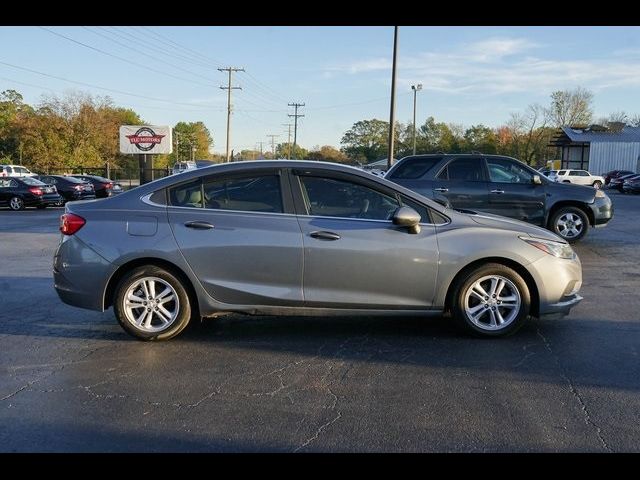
273 147
229 87
295 129
261 154
392 117
288 140
416 89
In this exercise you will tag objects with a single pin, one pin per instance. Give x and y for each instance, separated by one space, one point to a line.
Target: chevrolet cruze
304 238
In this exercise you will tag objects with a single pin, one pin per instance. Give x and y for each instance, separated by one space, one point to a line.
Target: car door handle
497 191
325 235
199 225
441 189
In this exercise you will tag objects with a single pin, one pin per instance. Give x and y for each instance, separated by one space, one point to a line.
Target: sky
470 75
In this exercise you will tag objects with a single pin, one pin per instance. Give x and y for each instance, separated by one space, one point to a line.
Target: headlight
557 249
600 194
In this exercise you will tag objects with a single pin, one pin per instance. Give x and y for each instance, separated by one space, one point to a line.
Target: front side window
248 194
329 197
463 169
507 171
562 173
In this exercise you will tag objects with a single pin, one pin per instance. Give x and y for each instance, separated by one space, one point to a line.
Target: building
599 149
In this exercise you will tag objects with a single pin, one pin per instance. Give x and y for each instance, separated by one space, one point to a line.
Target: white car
579 177
180 167
15 171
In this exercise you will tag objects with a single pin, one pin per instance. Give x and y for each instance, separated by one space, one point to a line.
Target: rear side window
414 167
248 194
187 195
463 169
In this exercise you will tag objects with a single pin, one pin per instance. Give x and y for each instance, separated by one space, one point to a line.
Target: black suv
504 186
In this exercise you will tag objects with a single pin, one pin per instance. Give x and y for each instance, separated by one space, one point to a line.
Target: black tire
565 233
466 281
183 307
16 204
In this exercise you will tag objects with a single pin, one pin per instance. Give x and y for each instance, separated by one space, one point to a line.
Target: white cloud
500 65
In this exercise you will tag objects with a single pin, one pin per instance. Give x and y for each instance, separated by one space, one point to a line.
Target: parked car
304 238
20 192
552 175
15 171
617 183
615 174
504 186
631 184
180 167
69 187
579 177
102 186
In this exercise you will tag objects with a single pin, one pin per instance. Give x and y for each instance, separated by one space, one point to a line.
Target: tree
187 136
366 140
327 153
480 138
571 107
283 150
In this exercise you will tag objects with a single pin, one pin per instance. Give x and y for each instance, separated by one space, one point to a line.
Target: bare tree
571 107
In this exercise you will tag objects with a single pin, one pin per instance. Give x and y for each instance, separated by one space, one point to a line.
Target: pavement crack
576 394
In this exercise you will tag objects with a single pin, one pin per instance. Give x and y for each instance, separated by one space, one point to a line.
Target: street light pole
392 117
415 89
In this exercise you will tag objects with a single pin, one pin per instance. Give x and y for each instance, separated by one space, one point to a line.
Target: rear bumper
80 275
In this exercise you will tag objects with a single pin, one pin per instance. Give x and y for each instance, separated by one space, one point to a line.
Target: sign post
145 141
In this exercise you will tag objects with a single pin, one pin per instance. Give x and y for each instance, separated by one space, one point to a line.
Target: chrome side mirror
407 217
537 180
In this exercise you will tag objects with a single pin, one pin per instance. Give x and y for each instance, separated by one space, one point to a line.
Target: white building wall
607 156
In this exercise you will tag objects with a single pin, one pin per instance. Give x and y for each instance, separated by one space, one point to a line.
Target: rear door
354 257
240 236
463 182
512 192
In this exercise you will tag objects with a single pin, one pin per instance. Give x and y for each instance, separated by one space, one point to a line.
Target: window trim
285 191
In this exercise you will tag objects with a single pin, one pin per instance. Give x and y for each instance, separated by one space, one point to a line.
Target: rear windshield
31 181
414 167
74 180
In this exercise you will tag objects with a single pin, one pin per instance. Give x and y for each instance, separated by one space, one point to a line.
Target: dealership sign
145 139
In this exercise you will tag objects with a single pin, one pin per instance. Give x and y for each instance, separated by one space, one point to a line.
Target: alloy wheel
569 225
492 302
151 304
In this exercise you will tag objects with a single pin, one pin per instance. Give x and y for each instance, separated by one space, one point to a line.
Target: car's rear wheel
571 223
597 184
491 301
152 304
16 203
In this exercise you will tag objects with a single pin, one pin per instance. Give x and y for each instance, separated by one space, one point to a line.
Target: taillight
70 223
35 190
108 186
77 187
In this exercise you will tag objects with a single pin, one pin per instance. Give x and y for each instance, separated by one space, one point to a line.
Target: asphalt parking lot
73 380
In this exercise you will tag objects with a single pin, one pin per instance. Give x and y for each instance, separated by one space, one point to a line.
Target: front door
462 181
240 236
512 192
354 257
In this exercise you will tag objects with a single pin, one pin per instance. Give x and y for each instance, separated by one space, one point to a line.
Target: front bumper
602 209
558 282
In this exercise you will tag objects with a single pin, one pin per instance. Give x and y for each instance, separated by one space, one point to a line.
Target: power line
124 59
148 55
273 148
229 87
288 140
295 130
122 92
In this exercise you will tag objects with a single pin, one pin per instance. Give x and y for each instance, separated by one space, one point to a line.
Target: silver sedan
304 238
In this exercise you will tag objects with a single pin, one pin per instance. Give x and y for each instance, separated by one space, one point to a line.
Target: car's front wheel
491 301
152 304
571 223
